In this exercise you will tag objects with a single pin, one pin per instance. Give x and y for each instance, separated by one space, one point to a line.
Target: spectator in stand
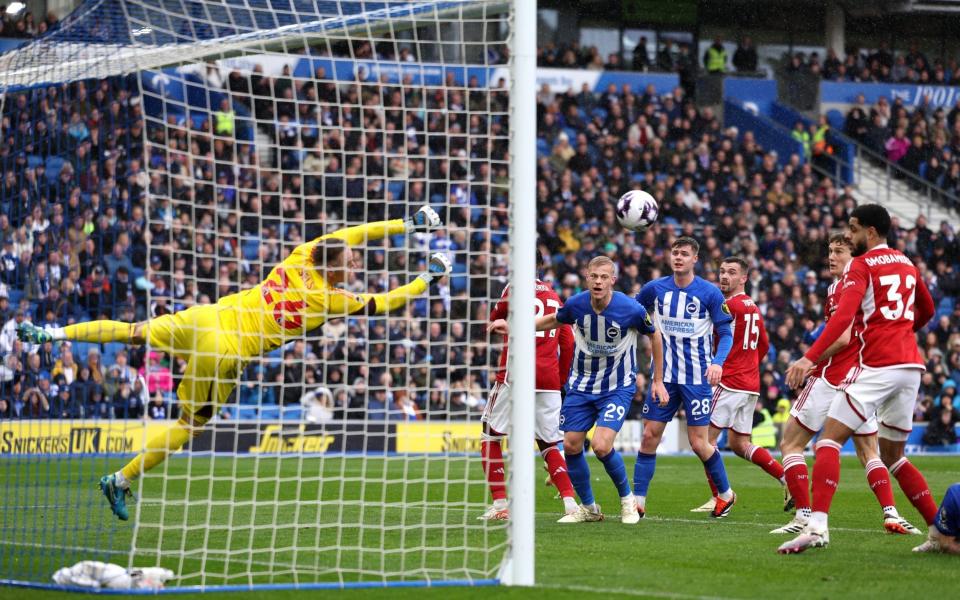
897 146
715 58
157 409
745 57
641 59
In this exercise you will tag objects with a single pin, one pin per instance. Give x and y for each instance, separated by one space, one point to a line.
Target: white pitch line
631 592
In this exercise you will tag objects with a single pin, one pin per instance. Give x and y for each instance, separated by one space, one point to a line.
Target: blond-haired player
298 295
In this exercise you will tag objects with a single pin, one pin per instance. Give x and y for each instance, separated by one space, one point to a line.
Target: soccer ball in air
637 210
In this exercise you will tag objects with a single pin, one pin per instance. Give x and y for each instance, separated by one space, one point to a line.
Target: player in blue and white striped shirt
688 311
602 382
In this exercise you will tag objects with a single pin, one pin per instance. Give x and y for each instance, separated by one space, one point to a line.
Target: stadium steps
899 197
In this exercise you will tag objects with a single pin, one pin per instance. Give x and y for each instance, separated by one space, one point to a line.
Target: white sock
783 481
641 501
569 504
727 495
122 482
818 521
501 504
593 508
57 333
803 514
890 511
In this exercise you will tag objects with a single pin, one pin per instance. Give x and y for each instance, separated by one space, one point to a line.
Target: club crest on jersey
693 308
614 330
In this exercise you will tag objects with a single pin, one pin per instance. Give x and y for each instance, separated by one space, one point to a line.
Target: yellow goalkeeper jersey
295 298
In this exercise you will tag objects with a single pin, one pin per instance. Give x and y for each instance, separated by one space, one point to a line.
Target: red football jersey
554 348
741 371
835 368
886 287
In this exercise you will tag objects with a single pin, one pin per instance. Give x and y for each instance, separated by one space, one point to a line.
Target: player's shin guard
617 471
916 489
718 474
557 468
157 449
580 477
798 480
826 474
879 479
763 459
491 457
643 472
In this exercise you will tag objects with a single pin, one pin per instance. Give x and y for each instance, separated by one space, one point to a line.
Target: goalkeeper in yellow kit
299 295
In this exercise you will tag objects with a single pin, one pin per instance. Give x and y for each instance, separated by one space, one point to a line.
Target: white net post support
523 184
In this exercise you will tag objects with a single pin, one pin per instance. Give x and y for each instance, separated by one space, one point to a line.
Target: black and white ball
637 210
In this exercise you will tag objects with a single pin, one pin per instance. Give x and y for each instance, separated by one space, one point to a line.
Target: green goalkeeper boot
32 334
116 496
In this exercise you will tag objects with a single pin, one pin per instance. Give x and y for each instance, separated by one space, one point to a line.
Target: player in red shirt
895 302
736 397
554 353
810 411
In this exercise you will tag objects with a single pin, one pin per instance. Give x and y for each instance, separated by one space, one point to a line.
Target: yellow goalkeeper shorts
207 336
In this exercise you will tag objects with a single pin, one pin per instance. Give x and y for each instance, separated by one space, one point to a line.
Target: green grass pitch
672 554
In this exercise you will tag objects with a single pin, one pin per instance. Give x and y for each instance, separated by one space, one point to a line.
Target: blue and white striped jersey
686 318
605 351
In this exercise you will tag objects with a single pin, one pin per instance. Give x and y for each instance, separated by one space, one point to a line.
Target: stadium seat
53 166
270 413
250 249
397 189
292 413
247 413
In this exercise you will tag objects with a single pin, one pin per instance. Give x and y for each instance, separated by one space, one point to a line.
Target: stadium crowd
81 241
924 140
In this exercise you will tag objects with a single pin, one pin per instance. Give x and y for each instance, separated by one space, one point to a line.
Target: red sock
826 474
713 486
491 456
763 459
915 487
798 480
557 467
879 479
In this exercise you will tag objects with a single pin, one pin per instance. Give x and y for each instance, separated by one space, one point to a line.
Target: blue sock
718 473
643 472
579 472
617 471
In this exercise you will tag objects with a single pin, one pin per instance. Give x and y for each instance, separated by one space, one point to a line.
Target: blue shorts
948 517
583 410
697 402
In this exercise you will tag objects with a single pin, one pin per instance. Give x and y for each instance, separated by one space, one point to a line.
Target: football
637 210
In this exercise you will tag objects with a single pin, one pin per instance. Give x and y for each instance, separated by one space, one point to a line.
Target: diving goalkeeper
299 295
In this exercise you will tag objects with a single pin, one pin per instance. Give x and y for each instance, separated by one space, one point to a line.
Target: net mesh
226 135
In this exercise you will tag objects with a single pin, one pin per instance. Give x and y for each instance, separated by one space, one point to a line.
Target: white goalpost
228 134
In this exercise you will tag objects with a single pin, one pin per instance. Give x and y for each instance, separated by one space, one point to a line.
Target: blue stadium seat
247 413
836 119
397 189
458 278
53 166
250 249
543 148
14 295
270 413
292 413
34 161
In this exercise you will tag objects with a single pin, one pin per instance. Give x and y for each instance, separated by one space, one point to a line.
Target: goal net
193 145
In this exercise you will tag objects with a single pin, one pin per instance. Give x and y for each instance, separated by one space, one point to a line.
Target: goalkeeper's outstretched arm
424 219
344 303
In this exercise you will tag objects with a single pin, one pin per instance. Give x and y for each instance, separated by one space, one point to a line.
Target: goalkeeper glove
438 267
424 219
